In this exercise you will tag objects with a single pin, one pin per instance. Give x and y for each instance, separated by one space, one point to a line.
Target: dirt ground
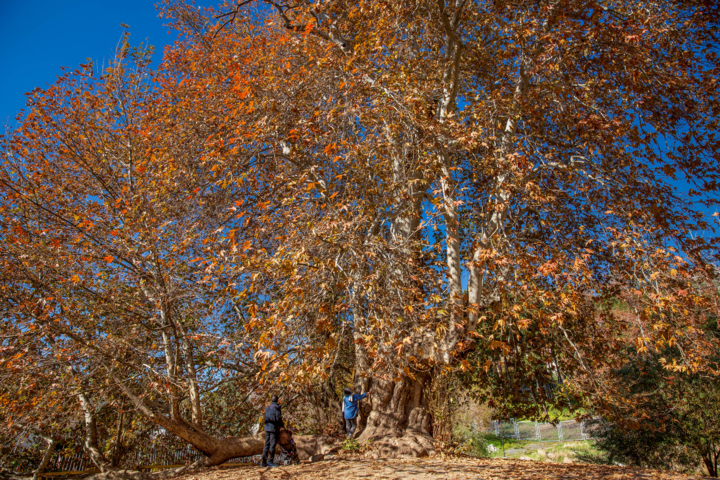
435 468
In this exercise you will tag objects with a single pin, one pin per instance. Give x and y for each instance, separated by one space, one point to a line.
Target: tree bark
495 224
399 422
193 389
118 439
711 466
46 458
91 444
453 54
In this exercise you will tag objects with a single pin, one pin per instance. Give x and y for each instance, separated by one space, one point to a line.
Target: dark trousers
269 449
350 426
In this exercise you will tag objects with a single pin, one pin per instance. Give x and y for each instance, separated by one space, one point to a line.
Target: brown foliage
301 188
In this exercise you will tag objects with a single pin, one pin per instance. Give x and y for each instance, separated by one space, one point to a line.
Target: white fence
566 430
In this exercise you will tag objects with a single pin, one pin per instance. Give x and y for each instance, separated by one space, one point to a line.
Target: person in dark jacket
350 410
273 424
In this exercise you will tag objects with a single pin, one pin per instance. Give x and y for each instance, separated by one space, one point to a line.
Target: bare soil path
359 468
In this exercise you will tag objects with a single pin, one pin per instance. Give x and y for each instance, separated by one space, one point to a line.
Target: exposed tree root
411 444
309 445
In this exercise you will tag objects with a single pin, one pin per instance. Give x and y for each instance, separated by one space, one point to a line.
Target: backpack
285 437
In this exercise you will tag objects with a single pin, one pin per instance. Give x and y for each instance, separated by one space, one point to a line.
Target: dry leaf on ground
434 469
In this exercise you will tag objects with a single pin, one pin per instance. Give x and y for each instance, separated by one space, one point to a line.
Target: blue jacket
273 418
350 404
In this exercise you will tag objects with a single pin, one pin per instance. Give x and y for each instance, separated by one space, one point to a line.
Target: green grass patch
581 451
509 443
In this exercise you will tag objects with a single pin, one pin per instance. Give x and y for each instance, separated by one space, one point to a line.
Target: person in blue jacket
273 424
350 410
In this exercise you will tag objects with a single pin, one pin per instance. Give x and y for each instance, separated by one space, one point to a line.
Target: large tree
553 154
421 180
110 284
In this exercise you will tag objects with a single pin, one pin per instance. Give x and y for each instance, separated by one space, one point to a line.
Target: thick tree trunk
399 423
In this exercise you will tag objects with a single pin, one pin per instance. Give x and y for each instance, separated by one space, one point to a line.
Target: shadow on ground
434 469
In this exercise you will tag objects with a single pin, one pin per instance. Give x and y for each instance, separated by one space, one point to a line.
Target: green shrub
472 442
478 446
351 445
644 447
675 425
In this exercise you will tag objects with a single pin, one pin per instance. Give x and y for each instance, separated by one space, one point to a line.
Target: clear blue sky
38 37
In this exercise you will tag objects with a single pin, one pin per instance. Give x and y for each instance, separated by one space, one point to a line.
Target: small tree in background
674 421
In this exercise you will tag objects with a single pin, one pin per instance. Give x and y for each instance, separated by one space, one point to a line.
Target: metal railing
566 430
